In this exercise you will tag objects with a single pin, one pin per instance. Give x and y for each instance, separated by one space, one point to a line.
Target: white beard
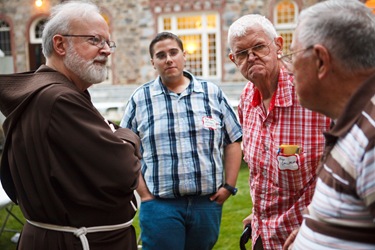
85 69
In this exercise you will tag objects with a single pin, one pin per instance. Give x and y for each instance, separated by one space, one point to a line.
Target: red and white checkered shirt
281 185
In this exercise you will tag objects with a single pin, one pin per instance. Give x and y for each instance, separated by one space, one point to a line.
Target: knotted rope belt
81 232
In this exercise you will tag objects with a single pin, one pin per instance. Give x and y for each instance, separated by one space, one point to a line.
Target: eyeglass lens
100 42
260 51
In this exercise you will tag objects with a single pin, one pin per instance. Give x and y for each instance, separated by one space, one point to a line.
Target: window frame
204 31
285 27
33 36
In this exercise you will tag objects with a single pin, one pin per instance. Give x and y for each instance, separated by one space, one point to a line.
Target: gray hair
244 23
61 18
345 28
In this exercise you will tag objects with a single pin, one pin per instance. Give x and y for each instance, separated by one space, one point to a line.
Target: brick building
202 25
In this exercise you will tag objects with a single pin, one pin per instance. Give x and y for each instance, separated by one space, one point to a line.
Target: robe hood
16 90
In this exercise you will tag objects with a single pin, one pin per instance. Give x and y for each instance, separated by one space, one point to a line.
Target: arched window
199 33
36 30
6 59
286 14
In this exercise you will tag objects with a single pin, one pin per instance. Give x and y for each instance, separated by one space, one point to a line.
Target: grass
235 209
5 242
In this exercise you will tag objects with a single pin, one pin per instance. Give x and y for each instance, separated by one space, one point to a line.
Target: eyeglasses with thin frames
96 40
287 59
260 51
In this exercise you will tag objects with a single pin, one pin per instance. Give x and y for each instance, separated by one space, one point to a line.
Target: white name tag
209 122
289 162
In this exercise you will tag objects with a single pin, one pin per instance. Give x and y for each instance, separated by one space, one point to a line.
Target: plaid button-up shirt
182 136
281 185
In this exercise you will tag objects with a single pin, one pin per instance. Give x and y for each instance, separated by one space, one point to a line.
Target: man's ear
152 62
279 41
323 60
59 44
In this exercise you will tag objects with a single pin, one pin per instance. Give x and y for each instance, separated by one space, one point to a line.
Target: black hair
163 36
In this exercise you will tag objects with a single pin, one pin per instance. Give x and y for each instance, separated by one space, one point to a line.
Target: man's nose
168 58
251 55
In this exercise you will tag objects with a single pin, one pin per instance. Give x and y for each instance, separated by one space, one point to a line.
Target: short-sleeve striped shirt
342 212
281 185
182 136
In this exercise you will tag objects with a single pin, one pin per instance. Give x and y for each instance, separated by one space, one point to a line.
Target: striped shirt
281 184
342 212
182 136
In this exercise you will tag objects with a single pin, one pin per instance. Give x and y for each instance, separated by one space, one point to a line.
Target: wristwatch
231 189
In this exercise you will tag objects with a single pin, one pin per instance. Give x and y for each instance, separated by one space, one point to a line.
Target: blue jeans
186 223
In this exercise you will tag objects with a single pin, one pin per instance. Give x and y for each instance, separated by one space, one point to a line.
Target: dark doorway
36 56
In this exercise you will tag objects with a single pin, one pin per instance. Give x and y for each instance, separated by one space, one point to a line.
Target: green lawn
236 208
5 243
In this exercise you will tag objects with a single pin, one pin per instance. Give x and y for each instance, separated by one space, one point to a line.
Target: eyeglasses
260 51
96 40
287 59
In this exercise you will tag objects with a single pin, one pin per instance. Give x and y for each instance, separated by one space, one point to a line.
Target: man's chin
255 76
100 75
255 73
99 80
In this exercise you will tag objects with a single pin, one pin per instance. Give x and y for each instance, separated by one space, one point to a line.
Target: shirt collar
159 88
357 103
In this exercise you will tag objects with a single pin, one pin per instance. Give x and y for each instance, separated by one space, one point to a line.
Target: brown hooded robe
63 164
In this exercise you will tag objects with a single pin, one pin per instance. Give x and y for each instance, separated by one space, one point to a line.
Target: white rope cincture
81 232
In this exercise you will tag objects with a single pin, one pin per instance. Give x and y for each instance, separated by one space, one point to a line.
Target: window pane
39 28
285 12
211 21
198 33
287 35
193 48
5 38
167 23
212 54
4 26
189 22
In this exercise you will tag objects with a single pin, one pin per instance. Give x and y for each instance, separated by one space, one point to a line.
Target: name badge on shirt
287 157
209 122
289 162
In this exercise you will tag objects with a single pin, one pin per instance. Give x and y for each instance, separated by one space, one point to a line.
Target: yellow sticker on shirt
289 149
